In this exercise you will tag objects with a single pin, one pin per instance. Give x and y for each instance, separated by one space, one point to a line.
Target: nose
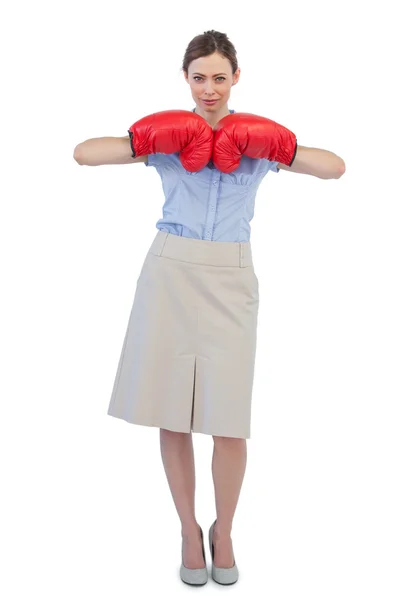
209 88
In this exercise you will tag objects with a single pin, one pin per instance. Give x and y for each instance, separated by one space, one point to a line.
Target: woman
187 360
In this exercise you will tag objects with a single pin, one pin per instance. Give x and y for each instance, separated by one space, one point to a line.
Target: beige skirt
187 360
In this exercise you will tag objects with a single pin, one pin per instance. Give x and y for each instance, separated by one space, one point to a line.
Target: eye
196 77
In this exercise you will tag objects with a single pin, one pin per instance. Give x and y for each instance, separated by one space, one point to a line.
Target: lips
209 101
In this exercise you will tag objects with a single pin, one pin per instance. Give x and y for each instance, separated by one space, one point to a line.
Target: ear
236 76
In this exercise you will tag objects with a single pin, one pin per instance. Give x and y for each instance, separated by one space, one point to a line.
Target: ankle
190 529
222 531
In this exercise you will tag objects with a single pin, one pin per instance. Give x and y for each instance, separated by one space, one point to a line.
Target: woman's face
210 78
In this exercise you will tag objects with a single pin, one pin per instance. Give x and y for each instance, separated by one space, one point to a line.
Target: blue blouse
209 204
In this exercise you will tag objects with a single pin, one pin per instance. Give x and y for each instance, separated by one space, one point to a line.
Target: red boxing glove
256 137
172 131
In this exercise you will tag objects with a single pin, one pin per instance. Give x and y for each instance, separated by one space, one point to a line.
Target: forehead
209 65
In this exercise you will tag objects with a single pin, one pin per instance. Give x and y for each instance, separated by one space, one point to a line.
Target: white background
86 508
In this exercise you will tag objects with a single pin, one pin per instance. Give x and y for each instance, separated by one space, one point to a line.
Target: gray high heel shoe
194 576
224 576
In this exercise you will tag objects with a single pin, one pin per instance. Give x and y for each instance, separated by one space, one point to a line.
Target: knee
221 440
176 434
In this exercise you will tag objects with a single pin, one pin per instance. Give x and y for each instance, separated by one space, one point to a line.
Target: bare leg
228 469
178 460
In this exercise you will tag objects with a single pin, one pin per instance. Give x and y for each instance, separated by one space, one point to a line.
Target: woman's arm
106 151
314 161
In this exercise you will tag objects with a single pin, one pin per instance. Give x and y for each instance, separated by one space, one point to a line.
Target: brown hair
208 43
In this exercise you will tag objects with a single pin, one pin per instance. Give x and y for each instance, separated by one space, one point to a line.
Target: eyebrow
204 75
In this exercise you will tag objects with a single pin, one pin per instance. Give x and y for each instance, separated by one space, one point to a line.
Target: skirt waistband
204 252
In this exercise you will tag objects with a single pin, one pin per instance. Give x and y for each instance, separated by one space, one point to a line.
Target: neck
212 117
